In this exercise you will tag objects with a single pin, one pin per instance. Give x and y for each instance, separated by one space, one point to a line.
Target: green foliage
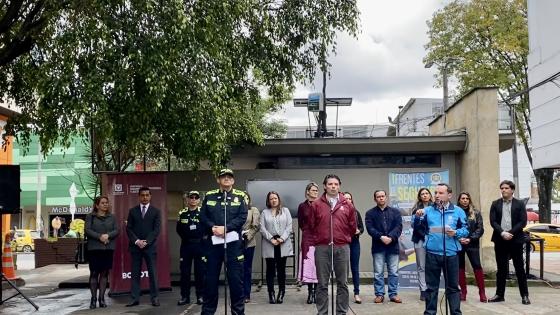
187 78
486 43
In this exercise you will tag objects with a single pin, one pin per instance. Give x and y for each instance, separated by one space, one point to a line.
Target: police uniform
191 233
212 214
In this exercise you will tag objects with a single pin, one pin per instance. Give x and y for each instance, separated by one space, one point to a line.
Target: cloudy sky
381 69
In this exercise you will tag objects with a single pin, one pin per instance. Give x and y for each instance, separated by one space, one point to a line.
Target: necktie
143 211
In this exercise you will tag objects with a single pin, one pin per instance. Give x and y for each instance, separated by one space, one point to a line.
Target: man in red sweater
333 222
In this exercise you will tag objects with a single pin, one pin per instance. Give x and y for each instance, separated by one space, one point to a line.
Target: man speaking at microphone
219 227
333 208
444 224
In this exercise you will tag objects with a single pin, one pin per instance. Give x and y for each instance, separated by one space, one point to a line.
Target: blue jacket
455 218
386 222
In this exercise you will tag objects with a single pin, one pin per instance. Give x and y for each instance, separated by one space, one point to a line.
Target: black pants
474 257
434 266
234 261
150 258
504 250
276 267
191 252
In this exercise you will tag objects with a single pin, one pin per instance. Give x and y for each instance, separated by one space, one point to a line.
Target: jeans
392 261
434 266
355 264
421 264
249 252
474 257
341 257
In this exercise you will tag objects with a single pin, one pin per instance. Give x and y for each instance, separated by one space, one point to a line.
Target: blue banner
403 195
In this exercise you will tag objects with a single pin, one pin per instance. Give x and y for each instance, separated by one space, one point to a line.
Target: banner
122 191
403 195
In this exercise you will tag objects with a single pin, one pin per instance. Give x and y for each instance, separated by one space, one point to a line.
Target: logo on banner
118 189
436 178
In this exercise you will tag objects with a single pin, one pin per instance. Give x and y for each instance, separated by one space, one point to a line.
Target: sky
380 69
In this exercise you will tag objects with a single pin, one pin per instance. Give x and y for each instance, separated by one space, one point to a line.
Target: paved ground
42 286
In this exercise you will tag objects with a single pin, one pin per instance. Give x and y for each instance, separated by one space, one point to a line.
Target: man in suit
508 217
142 226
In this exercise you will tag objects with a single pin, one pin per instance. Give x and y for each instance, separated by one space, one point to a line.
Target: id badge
192 227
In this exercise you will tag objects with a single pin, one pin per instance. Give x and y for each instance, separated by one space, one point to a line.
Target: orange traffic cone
8 260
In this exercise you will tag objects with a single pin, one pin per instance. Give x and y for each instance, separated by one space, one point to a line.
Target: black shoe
92 303
199 301
102 303
525 300
183 301
271 297
133 303
496 298
280 297
155 302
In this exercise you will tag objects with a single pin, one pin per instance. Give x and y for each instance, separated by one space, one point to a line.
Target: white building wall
544 62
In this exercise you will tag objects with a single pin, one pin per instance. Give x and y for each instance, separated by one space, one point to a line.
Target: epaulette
212 192
183 210
239 192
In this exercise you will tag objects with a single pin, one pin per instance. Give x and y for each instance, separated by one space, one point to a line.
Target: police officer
191 233
215 225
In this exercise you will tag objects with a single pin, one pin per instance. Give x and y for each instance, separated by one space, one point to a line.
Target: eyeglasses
194 197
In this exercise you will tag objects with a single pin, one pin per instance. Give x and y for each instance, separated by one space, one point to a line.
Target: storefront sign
66 210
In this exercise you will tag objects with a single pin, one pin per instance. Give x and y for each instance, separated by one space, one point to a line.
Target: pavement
59 289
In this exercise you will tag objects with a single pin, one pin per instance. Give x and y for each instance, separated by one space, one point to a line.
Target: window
539 229
361 161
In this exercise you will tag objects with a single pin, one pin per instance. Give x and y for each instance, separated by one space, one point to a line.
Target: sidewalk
42 286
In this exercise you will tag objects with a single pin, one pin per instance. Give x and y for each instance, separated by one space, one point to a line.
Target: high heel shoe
280 297
92 303
271 297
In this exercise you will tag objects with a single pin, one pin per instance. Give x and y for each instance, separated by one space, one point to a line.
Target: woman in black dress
101 230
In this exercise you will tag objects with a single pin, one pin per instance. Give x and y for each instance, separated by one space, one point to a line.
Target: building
544 77
46 183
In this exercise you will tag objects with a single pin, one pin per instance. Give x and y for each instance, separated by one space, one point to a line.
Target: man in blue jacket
444 224
384 224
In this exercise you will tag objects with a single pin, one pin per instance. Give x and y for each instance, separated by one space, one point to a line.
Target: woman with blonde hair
424 199
101 230
276 230
471 247
250 230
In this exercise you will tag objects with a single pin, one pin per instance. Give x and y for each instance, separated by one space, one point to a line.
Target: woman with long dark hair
307 273
250 230
101 230
276 229
471 247
423 200
355 251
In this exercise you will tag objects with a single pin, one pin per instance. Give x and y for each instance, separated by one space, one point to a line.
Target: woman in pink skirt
307 273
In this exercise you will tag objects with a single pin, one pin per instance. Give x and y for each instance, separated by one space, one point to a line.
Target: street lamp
399 121
444 68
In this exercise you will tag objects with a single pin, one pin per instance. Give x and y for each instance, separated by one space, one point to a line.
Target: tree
155 78
485 43
556 187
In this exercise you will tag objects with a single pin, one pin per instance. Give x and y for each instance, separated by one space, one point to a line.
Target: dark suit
146 228
512 248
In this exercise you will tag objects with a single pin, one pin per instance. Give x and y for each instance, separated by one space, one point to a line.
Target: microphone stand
443 230
332 262
225 255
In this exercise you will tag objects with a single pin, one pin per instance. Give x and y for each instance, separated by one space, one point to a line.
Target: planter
61 251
